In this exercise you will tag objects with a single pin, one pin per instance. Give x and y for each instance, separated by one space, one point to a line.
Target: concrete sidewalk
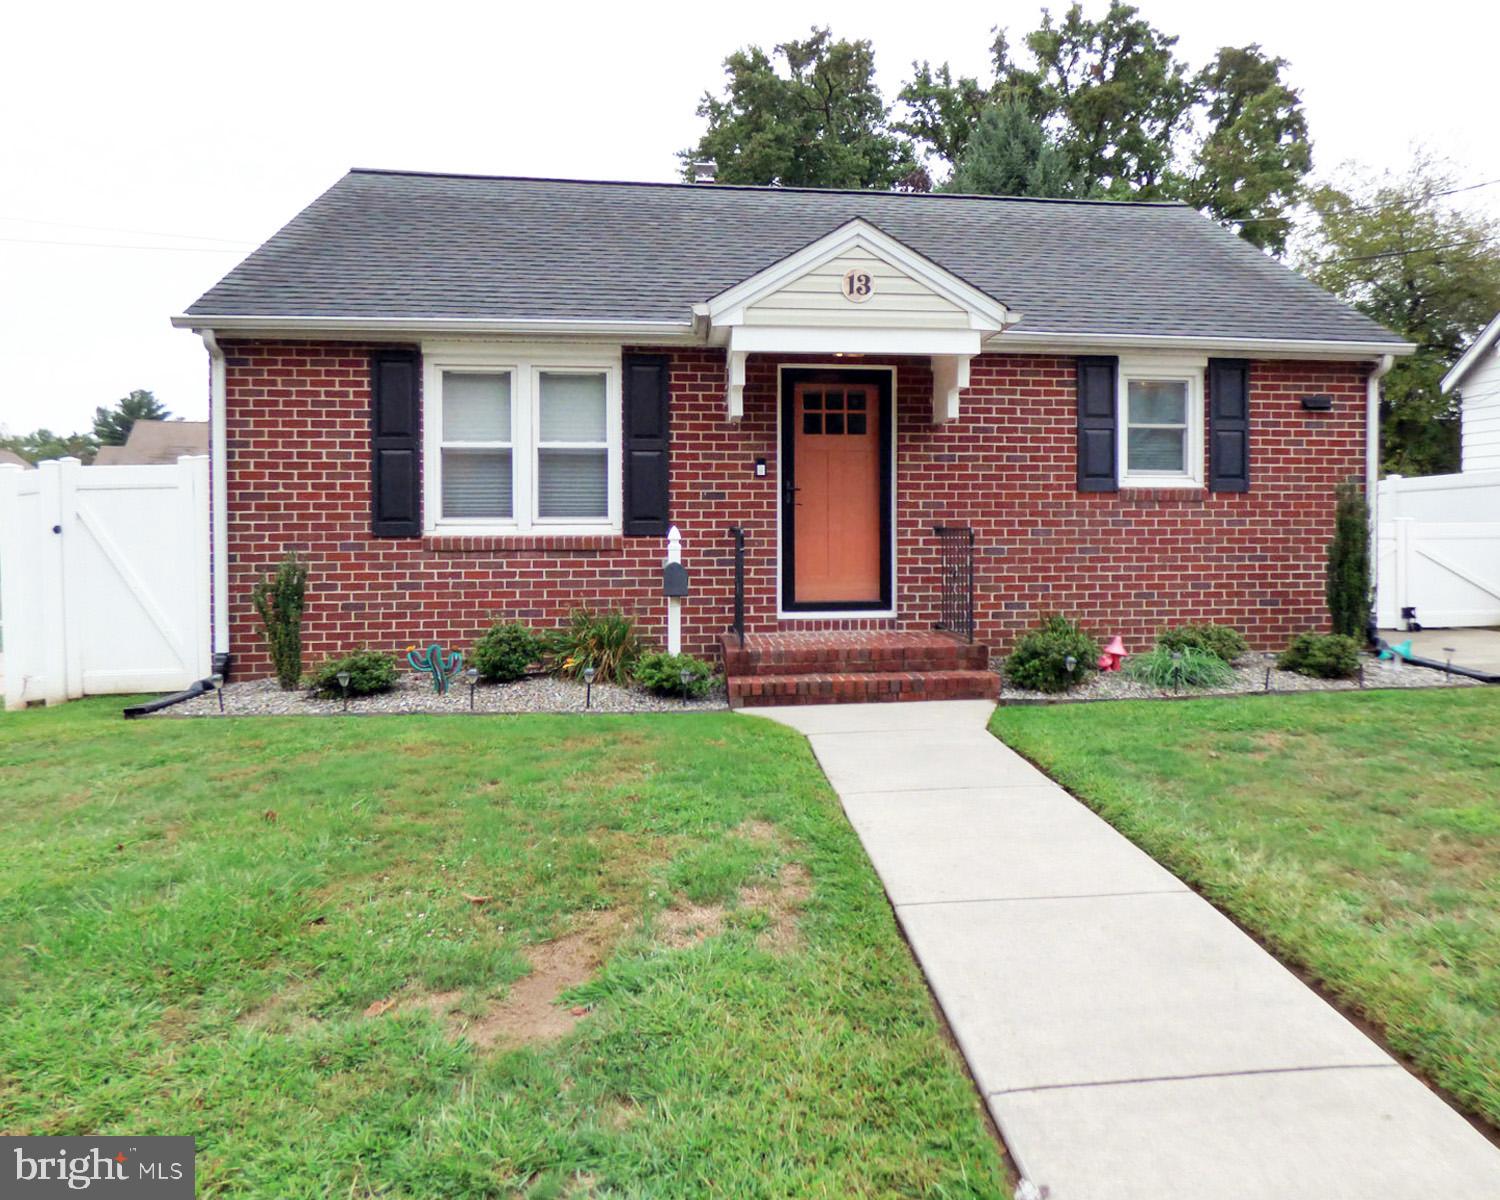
1130 1041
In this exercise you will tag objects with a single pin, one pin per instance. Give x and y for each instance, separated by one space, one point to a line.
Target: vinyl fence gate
104 579
1438 550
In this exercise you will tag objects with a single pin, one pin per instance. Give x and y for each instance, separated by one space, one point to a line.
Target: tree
1399 252
1248 168
42 444
1011 154
1114 87
822 124
112 425
1348 581
1230 139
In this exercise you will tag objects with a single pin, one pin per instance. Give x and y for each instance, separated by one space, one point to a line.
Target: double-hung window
1161 425
523 442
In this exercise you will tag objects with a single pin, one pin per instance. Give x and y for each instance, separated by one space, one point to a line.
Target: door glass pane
573 407
856 422
835 423
476 483
1156 450
573 483
476 408
812 422
1158 402
812 400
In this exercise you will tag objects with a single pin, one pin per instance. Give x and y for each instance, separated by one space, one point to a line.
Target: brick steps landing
854 668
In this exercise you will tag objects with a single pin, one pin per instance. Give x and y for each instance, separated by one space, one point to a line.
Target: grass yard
329 948
1357 834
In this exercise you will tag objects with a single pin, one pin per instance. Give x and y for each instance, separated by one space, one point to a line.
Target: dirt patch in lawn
529 1013
781 899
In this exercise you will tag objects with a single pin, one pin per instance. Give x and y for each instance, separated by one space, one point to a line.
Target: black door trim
883 378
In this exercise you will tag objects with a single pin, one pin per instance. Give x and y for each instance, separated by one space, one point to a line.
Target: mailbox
674 580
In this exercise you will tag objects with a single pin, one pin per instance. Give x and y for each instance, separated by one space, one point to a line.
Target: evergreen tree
112 425
1011 154
1348 588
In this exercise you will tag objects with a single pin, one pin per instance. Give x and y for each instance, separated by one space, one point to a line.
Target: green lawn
308 942
1357 834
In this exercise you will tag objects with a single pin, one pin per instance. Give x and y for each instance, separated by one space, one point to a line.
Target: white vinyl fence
104 579
1438 549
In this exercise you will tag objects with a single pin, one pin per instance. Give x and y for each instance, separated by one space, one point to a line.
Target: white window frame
525 364
1161 369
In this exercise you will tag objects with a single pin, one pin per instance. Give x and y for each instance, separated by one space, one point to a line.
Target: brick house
467 397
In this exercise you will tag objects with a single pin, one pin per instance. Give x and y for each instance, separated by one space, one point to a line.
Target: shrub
607 641
370 671
1348 588
1193 667
279 600
1223 641
661 673
1323 655
1039 660
505 651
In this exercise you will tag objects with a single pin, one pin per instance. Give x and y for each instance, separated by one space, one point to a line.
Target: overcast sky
149 146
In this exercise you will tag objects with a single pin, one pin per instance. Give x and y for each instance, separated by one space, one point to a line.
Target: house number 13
859 286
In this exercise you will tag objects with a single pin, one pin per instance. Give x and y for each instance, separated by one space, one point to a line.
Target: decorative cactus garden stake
442 667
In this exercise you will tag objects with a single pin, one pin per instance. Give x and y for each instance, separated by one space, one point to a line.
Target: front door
835 518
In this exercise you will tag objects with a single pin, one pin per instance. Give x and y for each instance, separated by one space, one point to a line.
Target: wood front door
836 517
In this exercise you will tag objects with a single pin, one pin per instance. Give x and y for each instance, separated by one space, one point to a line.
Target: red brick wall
298 426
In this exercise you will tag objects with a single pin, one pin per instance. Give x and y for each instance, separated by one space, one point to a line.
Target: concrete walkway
1129 1040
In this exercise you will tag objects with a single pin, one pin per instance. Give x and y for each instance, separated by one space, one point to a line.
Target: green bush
608 642
370 671
1348 589
661 673
1223 641
1039 660
505 651
1322 655
279 601
1192 668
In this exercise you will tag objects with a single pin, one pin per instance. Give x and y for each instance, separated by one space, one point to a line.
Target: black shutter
395 444
1096 424
1228 425
646 470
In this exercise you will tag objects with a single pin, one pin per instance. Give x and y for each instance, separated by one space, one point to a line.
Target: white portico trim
855 290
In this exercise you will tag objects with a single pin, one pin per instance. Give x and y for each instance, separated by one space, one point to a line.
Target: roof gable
1471 357
896 287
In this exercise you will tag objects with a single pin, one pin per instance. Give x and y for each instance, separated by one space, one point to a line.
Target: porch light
472 675
343 678
588 687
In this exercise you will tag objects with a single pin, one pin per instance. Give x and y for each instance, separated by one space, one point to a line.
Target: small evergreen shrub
505 651
1192 668
279 600
1321 655
609 642
1223 641
661 673
370 671
1039 661
1348 588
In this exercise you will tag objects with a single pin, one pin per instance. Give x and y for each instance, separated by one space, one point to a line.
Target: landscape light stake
1361 672
1270 658
686 677
1177 670
588 687
1448 663
343 678
218 682
472 674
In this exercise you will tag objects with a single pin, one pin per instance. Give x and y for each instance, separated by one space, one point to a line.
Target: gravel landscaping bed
1249 676
541 694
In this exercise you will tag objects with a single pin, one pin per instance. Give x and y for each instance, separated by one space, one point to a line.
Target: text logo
122 1168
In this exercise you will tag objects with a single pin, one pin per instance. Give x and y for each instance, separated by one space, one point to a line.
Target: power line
1468 187
1330 262
188 237
120 246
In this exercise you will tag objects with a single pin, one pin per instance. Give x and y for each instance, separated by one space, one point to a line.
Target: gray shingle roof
412 246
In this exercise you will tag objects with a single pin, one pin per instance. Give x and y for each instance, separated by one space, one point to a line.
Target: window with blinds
572 472
1160 424
477 446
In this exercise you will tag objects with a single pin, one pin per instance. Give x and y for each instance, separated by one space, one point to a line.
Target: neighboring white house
1476 377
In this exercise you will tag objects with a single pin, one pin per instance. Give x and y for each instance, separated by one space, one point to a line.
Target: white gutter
417 327
218 463
1021 339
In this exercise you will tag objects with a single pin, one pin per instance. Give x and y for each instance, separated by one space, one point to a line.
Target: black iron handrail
955 580
739 581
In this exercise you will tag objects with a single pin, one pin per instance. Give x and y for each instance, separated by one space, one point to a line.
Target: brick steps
854 668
